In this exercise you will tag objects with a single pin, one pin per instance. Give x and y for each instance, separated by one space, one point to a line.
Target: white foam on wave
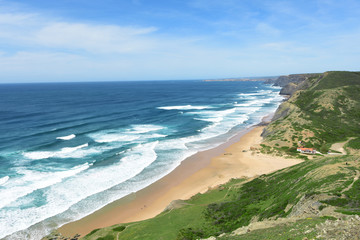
113 137
221 123
184 107
213 116
65 138
172 144
32 180
136 132
257 102
66 152
258 93
210 119
3 180
145 128
276 87
155 135
62 195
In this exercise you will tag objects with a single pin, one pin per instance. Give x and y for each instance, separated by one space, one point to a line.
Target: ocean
68 149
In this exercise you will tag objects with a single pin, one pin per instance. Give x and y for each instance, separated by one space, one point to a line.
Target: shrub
119 229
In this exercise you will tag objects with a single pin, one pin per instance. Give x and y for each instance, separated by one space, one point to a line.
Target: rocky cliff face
282 81
292 83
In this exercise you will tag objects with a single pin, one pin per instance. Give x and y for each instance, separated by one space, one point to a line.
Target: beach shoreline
196 174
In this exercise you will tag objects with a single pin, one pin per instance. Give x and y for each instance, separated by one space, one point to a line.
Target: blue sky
84 40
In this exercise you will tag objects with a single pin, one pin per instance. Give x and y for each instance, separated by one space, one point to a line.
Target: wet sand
197 173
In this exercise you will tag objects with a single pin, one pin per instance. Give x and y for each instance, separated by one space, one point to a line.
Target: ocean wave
135 132
172 144
258 93
3 180
185 107
212 116
66 152
61 196
213 119
145 128
275 87
257 102
33 180
69 137
221 123
154 135
113 137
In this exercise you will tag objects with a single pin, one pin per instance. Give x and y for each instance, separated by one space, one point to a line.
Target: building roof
304 149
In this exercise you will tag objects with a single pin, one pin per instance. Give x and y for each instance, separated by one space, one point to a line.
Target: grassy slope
328 112
294 231
234 204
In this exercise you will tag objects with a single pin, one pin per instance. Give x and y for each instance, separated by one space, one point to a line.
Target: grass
269 195
329 111
350 203
294 231
236 203
354 143
339 79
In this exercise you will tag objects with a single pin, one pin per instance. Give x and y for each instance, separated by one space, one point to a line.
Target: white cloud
267 29
15 19
33 30
94 38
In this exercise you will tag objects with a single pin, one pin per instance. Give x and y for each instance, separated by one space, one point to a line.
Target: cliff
323 109
294 82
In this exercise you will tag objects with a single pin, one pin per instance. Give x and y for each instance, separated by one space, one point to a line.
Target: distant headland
257 79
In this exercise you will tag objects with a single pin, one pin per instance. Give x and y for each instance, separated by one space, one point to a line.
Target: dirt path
339 147
355 179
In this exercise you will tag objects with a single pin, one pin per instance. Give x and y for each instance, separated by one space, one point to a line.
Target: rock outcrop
292 83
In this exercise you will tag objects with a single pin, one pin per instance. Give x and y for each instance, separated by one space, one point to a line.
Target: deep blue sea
68 149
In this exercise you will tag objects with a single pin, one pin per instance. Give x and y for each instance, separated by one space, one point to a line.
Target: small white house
307 150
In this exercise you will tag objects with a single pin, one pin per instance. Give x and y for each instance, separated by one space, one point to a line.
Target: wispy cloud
222 39
94 38
267 29
15 19
32 30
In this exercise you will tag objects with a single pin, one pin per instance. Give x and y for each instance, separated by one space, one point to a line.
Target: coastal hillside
327 111
318 198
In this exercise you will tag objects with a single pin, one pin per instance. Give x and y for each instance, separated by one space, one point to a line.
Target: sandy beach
198 173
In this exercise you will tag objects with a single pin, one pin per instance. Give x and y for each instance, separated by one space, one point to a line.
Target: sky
115 40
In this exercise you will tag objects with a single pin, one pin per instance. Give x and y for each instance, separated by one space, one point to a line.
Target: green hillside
325 113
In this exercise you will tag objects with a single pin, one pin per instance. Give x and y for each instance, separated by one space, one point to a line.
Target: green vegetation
354 143
119 229
325 113
350 203
294 231
238 202
338 79
108 234
107 237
